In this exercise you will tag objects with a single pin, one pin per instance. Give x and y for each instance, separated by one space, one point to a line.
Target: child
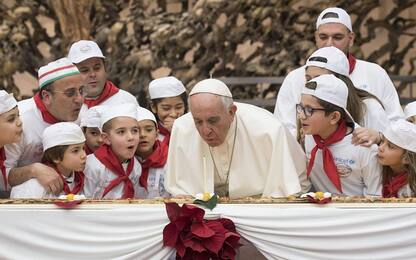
410 112
152 155
168 102
397 154
335 165
112 171
63 147
90 123
11 132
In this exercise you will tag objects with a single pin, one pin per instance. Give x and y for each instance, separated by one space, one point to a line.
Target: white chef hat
125 110
165 87
330 89
145 114
341 16
55 70
63 133
92 117
330 58
213 86
403 134
410 109
7 102
83 50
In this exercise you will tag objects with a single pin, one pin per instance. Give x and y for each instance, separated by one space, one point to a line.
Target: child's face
93 138
168 109
391 155
10 127
317 123
123 137
74 158
148 136
313 72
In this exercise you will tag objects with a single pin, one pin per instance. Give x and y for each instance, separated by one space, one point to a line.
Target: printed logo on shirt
344 170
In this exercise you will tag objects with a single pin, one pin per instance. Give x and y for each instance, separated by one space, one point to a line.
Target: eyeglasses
72 92
307 111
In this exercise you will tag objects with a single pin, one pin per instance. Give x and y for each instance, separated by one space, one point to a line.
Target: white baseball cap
63 133
330 89
410 109
330 58
165 87
145 114
341 16
402 133
83 49
124 110
7 102
55 70
213 86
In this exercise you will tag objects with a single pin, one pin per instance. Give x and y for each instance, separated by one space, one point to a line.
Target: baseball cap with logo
334 15
330 89
83 49
330 58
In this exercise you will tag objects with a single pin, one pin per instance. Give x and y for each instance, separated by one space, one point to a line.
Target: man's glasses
72 92
307 111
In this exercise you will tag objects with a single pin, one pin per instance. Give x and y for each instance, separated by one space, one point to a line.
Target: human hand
365 137
48 178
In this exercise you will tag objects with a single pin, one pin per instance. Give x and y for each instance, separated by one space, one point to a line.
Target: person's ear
351 37
106 138
233 110
46 96
405 161
334 117
153 107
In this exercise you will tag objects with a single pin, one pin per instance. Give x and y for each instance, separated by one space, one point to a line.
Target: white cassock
366 75
32 189
98 177
267 160
358 168
30 149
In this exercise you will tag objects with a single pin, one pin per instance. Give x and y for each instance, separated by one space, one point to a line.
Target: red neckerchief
88 150
352 61
329 165
47 117
78 179
156 160
109 90
393 185
107 157
164 132
2 167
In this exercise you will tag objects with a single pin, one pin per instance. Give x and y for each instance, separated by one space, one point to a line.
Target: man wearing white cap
335 164
89 59
60 99
333 28
11 132
233 149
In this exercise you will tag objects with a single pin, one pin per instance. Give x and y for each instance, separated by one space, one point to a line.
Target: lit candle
204 161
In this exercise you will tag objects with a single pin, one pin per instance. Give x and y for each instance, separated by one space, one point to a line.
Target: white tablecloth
280 231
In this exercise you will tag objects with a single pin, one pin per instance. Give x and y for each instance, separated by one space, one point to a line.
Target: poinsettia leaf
209 204
68 204
202 230
232 239
215 243
227 252
228 224
173 210
193 212
170 235
180 249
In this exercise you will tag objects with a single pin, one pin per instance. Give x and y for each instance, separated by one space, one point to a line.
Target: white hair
227 102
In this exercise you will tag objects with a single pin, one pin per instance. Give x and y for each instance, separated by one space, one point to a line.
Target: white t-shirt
366 75
98 177
155 184
32 189
358 168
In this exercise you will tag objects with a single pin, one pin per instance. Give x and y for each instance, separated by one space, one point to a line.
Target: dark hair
387 173
48 87
156 101
54 153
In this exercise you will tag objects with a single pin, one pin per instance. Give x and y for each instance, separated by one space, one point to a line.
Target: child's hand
48 178
365 137
168 123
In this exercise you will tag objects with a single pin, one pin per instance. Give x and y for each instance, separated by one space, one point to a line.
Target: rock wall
216 37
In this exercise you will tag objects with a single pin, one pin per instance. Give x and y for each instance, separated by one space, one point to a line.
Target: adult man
333 28
236 150
89 59
59 99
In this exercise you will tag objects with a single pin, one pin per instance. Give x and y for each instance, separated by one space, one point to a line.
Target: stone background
193 39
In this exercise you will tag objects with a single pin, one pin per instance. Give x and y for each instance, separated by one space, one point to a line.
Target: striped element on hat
56 70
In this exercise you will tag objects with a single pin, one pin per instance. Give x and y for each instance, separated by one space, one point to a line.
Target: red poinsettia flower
197 238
